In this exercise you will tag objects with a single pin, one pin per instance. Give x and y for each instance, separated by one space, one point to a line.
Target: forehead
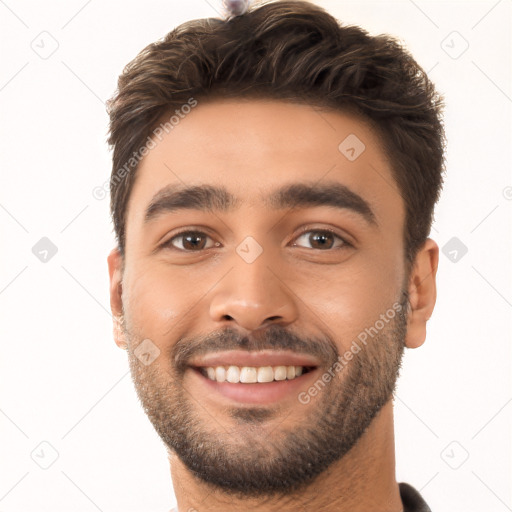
251 148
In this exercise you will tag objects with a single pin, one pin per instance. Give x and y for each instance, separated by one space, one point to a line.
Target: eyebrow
214 198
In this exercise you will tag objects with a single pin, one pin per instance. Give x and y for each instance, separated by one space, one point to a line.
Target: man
273 186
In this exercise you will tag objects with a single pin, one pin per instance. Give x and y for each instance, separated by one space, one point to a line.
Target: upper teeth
251 374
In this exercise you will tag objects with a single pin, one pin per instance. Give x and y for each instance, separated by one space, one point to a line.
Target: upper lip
259 358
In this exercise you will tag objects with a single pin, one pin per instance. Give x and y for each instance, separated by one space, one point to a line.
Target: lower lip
259 393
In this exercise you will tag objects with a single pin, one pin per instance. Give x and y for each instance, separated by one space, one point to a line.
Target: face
264 243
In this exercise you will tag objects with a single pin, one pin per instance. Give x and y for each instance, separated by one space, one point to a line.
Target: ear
115 270
422 293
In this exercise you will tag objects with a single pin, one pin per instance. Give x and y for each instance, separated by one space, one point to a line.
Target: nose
252 296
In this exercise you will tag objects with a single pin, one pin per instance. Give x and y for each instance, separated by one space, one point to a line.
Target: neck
363 480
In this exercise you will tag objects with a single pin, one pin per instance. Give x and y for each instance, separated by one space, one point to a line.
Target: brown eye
322 239
189 241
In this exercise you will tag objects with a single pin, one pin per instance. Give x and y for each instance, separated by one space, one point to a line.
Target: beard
235 451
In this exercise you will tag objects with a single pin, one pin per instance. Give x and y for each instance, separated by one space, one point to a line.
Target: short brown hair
288 50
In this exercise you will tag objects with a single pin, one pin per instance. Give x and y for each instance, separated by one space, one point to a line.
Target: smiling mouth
253 374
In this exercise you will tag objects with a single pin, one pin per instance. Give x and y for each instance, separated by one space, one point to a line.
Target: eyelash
345 244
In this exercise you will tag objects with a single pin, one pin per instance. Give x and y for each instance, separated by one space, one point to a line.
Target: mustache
275 337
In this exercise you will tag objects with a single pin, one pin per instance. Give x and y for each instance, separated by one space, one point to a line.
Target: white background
62 379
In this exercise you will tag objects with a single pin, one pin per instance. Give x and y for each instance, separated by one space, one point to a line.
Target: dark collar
412 499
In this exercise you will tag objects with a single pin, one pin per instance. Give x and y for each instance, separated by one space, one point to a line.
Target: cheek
164 300
156 302
345 302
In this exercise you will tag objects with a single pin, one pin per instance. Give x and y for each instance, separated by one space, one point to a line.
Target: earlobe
422 293
119 336
115 270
